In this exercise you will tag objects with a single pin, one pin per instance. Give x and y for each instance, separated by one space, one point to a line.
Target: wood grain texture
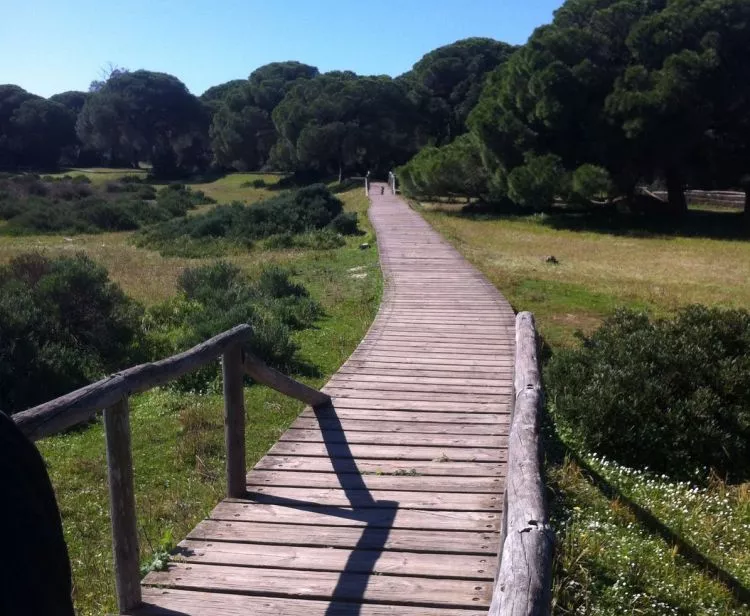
389 498
525 575
122 505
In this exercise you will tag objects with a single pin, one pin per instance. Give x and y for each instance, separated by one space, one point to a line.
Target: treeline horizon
612 96
286 116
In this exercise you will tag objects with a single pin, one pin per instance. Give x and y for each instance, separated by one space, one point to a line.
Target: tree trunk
675 193
746 211
341 173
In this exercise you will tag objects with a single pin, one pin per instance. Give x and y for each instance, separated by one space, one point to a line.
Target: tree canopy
146 116
448 80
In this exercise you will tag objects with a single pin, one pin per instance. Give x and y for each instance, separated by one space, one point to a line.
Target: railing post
234 420
122 505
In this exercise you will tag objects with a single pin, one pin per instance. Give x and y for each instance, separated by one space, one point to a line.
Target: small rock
363 275
68 239
364 246
551 259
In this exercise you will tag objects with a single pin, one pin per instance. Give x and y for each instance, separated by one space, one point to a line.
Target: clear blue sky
49 46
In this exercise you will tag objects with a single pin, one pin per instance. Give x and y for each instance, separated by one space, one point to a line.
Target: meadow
178 436
629 541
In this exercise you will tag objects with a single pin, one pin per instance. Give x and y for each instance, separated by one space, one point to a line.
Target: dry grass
597 272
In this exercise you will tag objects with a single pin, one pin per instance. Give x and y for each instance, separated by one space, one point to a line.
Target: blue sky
49 46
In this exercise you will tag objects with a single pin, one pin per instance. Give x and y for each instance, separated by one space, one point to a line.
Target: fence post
122 505
234 421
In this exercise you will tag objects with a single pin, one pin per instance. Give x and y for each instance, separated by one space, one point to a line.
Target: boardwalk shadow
377 517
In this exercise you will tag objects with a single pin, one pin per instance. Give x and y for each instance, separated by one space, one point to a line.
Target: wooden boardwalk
389 501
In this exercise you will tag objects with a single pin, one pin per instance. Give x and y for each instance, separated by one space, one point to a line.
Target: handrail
82 404
524 579
111 394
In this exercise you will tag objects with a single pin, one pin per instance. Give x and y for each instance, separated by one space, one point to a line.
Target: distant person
35 577
382 190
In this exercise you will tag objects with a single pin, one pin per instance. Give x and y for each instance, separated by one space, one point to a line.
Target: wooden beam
122 505
234 421
524 579
83 404
261 373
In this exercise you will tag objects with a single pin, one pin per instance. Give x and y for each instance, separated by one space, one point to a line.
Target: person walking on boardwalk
382 190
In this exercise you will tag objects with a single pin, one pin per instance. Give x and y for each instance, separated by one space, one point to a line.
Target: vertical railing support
234 421
122 505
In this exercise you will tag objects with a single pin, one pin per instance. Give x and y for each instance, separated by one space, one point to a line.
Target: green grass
178 437
629 542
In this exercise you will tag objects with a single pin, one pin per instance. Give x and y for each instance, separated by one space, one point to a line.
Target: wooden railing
111 394
524 578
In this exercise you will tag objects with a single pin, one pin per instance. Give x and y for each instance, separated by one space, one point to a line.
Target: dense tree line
612 95
286 116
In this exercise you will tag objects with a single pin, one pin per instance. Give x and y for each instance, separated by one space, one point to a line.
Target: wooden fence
110 395
524 579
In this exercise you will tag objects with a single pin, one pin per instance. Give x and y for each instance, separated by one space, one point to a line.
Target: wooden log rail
110 396
524 579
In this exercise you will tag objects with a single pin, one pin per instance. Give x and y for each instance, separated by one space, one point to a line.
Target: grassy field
177 437
629 541
596 272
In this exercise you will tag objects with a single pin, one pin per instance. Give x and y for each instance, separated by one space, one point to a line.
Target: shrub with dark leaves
673 395
215 298
63 324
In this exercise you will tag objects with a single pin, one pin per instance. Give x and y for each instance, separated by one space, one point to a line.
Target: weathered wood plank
364 411
374 482
438 541
438 466
377 438
400 427
333 559
401 590
260 372
524 580
360 498
174 602
234 421
377 452
383 517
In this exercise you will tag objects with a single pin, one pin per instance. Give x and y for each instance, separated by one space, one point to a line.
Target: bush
63 324
307 209
345 223
53 205
673 395
217 297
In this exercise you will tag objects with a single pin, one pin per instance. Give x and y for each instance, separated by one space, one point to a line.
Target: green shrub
63 324
53 205
672 395
214 298
345 223
307 209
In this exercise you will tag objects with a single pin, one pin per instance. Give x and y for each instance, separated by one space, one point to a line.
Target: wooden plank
402 427
404 377
378 452
334 559
174 602
438 541
374 482
350 411
383 517
371 402
338 392
438 466
379 438
412 387
439 501
400 590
